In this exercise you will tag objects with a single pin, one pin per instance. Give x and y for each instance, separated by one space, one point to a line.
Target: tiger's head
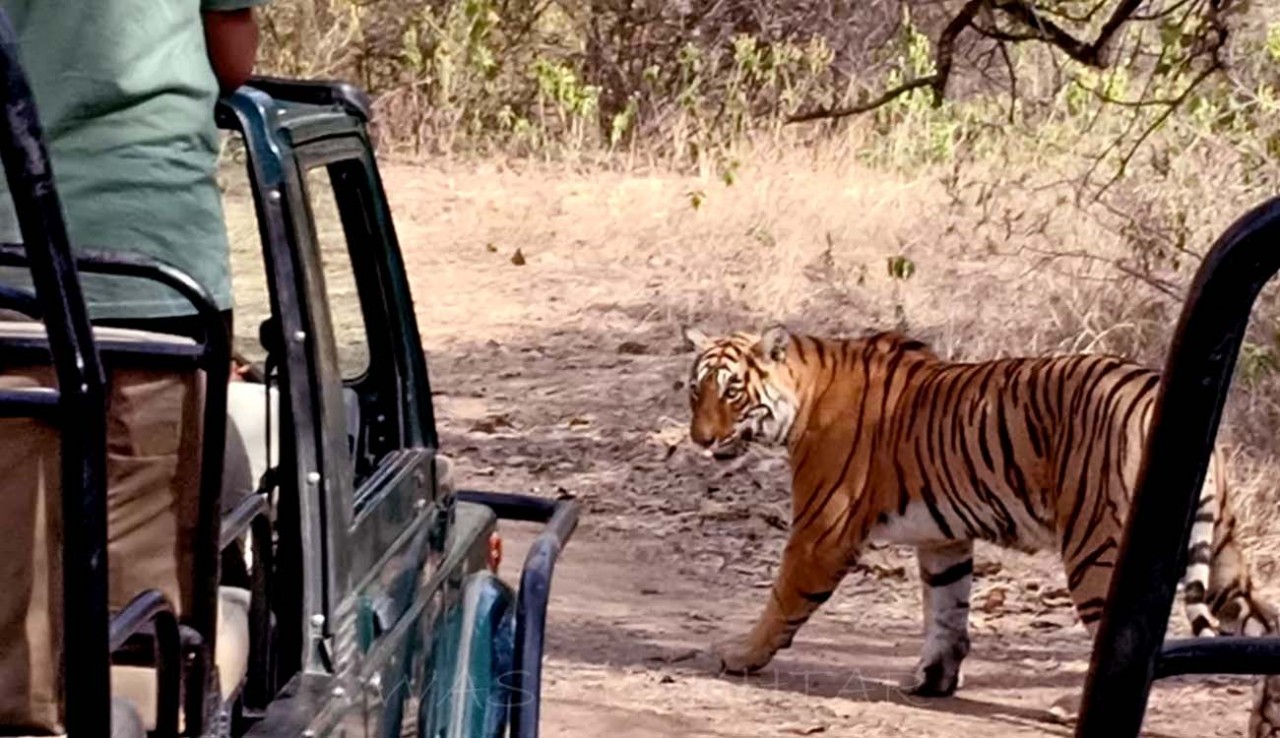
740 390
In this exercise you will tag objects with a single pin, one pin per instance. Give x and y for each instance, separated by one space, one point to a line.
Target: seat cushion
137 684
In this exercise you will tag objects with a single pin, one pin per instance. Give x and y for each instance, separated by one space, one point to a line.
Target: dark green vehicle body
404 630
385 615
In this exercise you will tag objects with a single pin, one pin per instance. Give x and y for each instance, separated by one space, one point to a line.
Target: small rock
721 512
773 519
810 730
632 348
676 657
667 679
518 258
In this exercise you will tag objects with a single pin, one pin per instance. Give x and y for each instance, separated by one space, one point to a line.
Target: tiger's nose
701 435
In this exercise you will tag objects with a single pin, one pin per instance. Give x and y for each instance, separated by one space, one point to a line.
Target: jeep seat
154 428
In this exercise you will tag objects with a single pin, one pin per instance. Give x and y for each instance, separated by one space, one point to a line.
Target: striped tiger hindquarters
888 442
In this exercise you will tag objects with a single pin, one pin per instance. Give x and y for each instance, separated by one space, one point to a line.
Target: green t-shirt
125 94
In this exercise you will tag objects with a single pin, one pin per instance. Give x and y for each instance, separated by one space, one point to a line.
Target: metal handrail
561 518
81 394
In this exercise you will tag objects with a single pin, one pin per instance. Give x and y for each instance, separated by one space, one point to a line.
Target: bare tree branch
888 97
1023 21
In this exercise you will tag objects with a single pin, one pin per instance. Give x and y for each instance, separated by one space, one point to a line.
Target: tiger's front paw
741 656
937 674
936 679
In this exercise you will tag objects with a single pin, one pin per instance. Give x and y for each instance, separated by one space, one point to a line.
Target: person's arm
231 38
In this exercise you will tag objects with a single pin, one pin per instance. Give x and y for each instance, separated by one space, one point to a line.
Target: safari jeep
186 555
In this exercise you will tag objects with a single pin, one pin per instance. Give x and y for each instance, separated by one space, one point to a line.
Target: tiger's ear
773 343
699 340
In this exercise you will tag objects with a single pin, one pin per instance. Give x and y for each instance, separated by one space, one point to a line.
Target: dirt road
627 658
561 371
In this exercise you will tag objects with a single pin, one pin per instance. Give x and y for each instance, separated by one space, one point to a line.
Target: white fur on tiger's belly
914 528
917 527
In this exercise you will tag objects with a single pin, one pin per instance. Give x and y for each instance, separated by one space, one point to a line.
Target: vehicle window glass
248 267
339 278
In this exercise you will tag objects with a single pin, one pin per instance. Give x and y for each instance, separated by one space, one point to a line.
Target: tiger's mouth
724 449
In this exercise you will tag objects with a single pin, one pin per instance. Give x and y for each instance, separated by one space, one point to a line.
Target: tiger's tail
1219 593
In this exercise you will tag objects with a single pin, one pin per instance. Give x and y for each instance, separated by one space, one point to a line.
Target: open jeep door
394 618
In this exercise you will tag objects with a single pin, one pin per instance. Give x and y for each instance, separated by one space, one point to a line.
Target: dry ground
549 303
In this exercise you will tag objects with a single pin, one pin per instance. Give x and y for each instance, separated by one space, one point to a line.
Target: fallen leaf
883 571
1055 598
1050 621
491 424
993 602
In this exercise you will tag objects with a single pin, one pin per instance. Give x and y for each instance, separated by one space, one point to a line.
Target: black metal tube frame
215 359
347 96
81 398
152 610
254 512
561 518
1127 653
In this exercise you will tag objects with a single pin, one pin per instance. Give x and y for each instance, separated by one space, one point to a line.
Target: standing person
126 91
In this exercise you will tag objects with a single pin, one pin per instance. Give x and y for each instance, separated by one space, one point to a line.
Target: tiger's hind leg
946 578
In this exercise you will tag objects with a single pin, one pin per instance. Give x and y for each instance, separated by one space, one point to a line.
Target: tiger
888 443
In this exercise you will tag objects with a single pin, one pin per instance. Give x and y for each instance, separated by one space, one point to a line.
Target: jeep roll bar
79 403
1130 651
561 519
213 356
